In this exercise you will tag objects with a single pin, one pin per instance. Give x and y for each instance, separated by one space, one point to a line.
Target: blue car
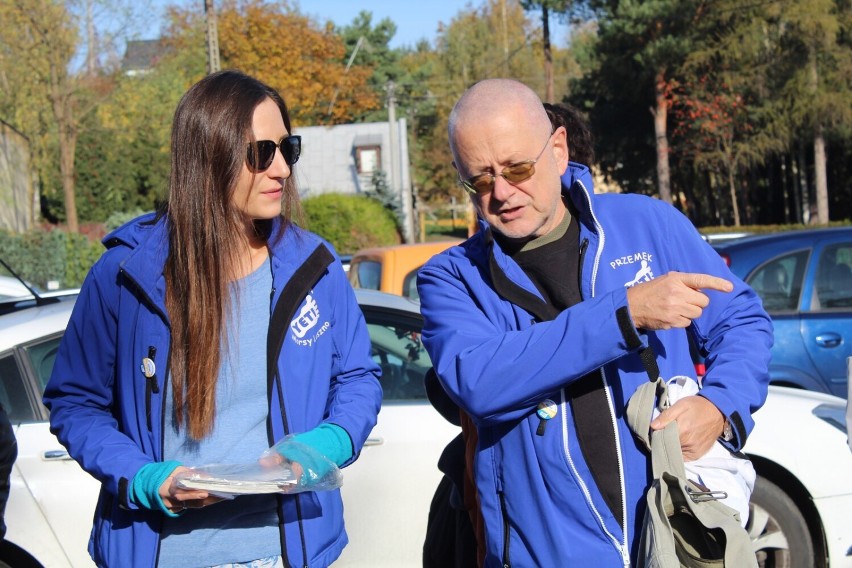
805 280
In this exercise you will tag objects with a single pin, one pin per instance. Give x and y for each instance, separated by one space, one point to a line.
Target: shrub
41 256
350 222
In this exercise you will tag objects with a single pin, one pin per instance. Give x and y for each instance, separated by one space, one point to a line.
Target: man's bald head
495 98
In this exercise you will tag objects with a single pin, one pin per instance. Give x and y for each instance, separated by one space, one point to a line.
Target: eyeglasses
483 183
261 153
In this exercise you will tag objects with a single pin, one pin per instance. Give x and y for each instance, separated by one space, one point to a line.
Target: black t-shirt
552 262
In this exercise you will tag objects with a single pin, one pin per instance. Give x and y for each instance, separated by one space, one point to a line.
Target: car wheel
777 529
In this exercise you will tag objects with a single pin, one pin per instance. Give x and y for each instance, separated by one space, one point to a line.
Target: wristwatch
727 431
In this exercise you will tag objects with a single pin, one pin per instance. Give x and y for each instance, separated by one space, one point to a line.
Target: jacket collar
147 237
509 281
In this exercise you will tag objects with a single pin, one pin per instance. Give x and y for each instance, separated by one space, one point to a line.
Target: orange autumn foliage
293 54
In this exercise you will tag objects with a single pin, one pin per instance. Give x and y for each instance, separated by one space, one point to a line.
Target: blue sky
415 19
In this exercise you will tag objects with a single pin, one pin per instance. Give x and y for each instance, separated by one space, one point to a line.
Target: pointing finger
706 282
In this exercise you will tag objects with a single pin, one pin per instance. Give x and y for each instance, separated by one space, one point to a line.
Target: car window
779 281
833 288
409 285
398 349
13 392
367 274
42 356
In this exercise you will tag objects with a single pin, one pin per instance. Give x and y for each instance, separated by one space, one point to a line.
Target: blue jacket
110 416
498 361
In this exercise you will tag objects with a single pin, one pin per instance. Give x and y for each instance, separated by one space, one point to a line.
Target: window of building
368 158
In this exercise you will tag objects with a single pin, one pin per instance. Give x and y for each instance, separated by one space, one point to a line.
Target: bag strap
640 407
666 453
291 297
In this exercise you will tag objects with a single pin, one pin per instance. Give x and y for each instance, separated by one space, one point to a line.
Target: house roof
142 54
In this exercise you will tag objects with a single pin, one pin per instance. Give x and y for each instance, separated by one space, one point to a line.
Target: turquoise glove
330 440
144 489
319 452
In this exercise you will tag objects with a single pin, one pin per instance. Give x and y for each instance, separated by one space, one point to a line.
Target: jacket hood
145 242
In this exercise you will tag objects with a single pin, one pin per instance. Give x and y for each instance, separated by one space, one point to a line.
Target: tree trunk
660 113
821 177
802 175
733 191
67 135
792 183
821 188
548 55
67 149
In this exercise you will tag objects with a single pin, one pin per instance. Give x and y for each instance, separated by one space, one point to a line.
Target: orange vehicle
393 269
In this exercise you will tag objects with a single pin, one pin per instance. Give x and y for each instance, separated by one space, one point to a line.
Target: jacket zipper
623 548
505 515
280 391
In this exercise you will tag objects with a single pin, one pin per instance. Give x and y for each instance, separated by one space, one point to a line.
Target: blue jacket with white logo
109 414
498 361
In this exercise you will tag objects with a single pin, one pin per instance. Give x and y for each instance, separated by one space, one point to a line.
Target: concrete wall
328 161
18 198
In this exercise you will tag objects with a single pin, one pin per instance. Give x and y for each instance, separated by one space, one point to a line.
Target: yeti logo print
641 273
306 321
644 274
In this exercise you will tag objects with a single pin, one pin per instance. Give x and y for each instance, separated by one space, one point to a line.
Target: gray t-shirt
245 528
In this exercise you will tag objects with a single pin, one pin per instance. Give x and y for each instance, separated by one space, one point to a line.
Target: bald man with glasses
535 325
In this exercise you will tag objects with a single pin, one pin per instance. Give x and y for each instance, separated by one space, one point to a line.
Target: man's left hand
699 423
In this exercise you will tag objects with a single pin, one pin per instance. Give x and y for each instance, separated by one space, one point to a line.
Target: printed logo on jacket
639 264
304 326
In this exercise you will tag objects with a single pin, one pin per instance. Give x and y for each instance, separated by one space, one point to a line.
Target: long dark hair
211 131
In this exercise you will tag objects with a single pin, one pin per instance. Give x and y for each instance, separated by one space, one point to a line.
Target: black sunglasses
261 153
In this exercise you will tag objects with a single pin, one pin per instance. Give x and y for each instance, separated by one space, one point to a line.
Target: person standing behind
206 333
8 454
534 326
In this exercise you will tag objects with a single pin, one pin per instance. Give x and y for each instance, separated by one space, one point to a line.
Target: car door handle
55 455
377 441
829 339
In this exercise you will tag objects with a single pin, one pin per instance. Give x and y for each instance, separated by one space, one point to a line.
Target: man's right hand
672 300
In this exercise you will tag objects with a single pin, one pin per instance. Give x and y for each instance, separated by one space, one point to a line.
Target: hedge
41 257
350 222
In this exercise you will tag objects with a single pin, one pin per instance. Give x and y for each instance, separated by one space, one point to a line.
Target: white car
11 287
800 508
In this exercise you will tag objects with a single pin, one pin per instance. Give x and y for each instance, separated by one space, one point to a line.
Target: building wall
328 163
18 198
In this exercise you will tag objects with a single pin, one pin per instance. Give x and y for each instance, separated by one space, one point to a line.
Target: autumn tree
369 45
817 76
123 159
291 52
45 35
465 52
639 51
790 62
547 8
714 132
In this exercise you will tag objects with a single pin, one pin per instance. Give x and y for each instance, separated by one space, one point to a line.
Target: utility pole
395 158
212 37
345 71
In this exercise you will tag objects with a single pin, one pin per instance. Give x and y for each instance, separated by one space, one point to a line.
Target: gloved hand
314 456
144 489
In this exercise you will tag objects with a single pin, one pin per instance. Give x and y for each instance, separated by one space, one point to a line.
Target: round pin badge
546 409
149 369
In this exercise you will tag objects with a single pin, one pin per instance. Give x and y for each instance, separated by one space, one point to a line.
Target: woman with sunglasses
205 334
